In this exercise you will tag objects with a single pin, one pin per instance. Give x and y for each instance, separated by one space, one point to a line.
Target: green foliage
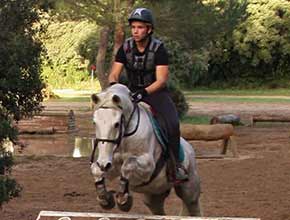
71 47
195 23
20 82
9 188
179 100
265 33
188 29
186 68
181 64
245 43
258 52
87 48
196 119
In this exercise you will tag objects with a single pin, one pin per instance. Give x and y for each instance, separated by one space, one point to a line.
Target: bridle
122 133
122 130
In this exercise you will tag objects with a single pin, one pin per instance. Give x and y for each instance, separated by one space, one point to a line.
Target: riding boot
180 173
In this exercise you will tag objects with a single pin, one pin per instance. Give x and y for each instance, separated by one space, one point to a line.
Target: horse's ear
95 98
116 99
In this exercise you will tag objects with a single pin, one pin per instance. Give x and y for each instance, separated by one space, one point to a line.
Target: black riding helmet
142 14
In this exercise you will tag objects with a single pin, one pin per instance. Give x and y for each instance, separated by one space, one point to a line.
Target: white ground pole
58 215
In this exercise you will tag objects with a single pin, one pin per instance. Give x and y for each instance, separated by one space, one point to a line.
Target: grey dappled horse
128 148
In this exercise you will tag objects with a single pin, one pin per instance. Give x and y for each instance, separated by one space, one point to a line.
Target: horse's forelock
113 97
119 89
122 92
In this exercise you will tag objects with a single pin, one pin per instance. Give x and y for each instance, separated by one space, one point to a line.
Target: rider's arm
115 72
162 72
161 79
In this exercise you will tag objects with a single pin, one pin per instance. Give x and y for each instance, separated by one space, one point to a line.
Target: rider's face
140 30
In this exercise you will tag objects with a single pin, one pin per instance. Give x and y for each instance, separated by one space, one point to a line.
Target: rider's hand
112 83
139 95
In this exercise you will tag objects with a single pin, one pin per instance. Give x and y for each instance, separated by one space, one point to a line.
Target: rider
146 62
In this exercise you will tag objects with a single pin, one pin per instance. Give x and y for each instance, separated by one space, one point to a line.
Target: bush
20 81
179 100
69 53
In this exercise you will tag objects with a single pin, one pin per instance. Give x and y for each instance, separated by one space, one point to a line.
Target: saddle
160 131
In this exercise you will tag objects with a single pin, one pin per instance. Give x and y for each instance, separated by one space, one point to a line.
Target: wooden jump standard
213 132
55 215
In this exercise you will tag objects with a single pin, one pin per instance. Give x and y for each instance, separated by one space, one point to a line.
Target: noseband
122 130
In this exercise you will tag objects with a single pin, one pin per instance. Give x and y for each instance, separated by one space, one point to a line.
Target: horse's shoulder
145 106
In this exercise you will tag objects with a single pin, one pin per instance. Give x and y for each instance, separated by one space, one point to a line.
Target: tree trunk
101 57
120 26
119 36
119 29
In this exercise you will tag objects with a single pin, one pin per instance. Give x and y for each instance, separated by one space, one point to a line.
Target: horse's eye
116 125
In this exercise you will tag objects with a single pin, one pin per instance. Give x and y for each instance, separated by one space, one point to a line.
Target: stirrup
181 174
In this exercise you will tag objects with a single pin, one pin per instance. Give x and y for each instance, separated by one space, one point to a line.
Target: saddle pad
162 138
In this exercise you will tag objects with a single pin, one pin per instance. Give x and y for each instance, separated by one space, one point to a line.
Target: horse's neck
144 139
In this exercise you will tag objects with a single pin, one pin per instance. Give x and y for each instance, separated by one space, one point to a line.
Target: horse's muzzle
105 167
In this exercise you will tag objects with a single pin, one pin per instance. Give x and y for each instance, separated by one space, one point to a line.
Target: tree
107 15
20 82
190 28
111 16
258 50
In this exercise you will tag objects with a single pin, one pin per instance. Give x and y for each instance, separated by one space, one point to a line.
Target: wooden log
270 118
48 123
206 132
50 130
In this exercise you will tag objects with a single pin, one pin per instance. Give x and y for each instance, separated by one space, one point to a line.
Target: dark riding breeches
167 116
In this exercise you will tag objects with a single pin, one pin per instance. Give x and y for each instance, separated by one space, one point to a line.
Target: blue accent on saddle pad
162 138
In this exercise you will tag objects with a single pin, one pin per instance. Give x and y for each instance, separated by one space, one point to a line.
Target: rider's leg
174 145
167 113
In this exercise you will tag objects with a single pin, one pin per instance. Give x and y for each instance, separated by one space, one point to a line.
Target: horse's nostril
104 167
108 166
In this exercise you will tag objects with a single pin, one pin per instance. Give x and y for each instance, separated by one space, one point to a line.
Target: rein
122 133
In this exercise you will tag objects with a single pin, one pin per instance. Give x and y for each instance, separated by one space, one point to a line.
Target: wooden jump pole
269 118
214 132
56 215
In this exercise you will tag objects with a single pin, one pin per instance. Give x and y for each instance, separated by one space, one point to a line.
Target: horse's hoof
108 201
124 202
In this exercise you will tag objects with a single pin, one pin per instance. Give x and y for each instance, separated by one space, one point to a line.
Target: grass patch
71 95
71 99
252 92
201 119
239 99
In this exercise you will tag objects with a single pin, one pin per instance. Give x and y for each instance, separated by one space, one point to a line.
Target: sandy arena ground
257 184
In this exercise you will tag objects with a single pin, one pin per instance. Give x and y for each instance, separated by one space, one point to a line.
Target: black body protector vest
140 68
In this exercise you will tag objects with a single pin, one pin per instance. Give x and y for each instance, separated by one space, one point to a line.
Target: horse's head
112 108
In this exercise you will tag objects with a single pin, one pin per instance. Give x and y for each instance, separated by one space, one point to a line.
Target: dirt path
255 185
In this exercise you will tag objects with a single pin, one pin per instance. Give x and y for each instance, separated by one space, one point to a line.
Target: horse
128 148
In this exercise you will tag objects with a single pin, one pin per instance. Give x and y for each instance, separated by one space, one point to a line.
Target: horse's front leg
105 198
123 197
